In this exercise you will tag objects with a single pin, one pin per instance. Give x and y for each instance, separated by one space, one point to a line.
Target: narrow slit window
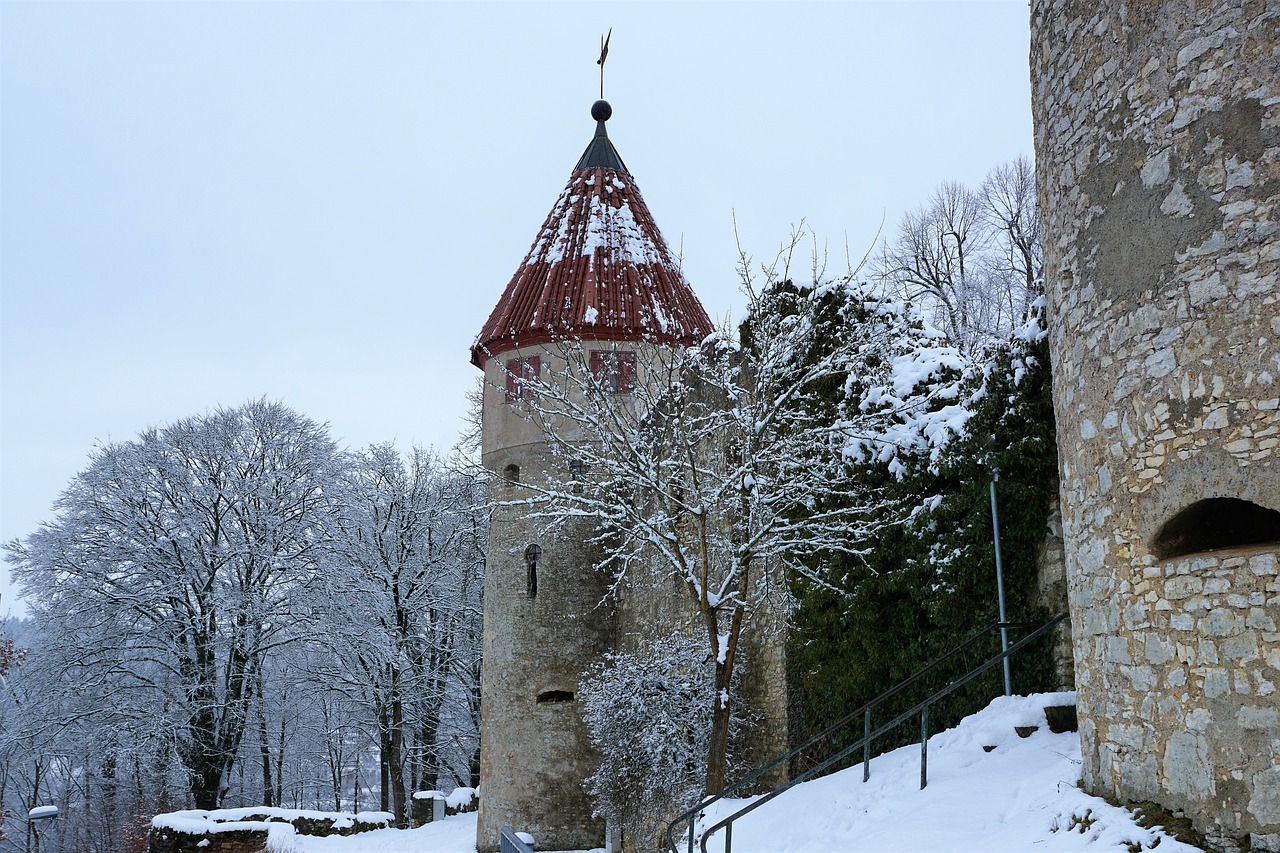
531 555
1216 523
554 696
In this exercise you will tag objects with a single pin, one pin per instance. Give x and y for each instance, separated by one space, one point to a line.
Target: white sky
205 203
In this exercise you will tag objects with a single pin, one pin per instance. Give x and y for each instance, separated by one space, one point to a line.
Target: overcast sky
205 203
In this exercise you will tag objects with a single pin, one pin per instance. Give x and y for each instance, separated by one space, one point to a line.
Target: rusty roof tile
599 269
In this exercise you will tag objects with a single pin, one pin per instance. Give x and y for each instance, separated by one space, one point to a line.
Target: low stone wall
247 830
166 839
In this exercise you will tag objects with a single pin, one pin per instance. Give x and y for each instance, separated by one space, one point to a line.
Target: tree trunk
718 742
384 765
395 762
280 763
264 746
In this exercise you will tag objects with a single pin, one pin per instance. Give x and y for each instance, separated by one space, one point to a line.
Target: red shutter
522 373
599 368
513 385
614 370
626 372
532 371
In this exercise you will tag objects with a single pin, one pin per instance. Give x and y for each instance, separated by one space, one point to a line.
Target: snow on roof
599 269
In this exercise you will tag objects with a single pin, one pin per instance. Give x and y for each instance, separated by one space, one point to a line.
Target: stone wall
534 748
1158 165
166 840
246 830
1051 584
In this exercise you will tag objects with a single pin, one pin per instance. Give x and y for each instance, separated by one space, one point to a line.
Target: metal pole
1004 632
866 746
924 746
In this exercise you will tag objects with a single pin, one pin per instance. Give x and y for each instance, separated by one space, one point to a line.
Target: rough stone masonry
1158 162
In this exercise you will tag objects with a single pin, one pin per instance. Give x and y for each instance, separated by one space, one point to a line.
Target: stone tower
599 272
1158 165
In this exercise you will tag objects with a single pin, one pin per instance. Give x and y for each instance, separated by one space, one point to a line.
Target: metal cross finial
604 54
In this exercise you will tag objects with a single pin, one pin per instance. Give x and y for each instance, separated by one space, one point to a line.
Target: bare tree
10 656
408 571
1011 215
970 259
722 465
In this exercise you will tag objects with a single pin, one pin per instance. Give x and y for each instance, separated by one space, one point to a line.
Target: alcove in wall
1213 524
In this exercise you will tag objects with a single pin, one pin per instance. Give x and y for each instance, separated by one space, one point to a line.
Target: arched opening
554 696
1216 523
511 474
531 555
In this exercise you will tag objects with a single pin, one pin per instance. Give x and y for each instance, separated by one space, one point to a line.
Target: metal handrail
864 742
510 842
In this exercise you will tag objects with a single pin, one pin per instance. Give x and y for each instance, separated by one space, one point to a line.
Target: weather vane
604 54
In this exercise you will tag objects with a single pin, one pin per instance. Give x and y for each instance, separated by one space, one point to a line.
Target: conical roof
598 270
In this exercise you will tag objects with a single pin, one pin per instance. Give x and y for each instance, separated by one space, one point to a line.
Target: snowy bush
649 715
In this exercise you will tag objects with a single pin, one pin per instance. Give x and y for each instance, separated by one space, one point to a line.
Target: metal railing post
866 746
924 746
1004 632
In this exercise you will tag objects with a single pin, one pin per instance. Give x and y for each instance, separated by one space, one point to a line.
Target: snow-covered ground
455 834
1019 797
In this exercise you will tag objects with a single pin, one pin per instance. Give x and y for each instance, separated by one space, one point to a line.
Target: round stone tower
1158 165
599 274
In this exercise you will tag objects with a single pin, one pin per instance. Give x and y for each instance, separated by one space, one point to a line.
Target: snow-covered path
1020 797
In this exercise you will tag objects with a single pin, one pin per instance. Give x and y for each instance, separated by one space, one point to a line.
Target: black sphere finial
600 111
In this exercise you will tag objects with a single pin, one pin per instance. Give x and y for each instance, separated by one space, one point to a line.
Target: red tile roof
598 270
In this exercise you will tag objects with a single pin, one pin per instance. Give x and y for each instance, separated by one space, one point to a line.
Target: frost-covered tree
970 258
10 656
176 565
200 604
407 568
648 714
717 468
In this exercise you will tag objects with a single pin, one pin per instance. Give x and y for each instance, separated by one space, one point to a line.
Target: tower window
615 370
554 696
1216 523
531 555
577 468
522 376
511 474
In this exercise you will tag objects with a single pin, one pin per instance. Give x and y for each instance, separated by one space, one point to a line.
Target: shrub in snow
649 715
